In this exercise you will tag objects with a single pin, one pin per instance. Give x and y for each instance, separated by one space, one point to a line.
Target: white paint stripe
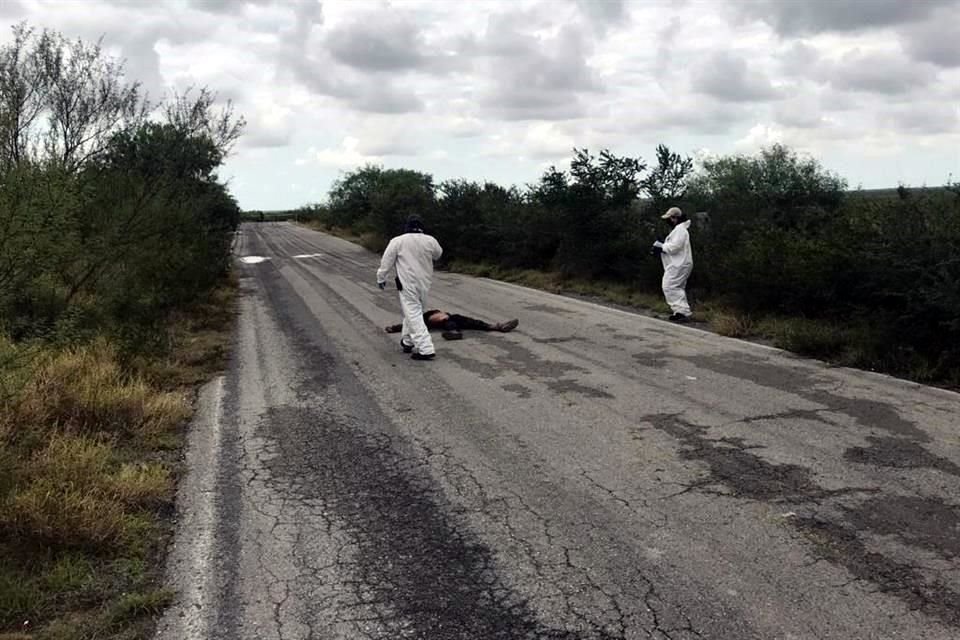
308 255
253 259
190 569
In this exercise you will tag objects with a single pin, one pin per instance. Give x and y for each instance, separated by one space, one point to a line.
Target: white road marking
191 561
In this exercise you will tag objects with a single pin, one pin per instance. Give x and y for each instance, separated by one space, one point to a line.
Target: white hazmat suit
412 254
677 258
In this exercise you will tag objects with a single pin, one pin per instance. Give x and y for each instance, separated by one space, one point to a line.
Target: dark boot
420 356
506 327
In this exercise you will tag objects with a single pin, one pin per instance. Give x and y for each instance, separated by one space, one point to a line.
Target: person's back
415 253
412 254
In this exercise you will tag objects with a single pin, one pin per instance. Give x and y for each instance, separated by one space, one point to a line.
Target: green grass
136 605
89 445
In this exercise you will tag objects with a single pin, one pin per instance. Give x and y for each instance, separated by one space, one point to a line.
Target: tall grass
84 390
84 477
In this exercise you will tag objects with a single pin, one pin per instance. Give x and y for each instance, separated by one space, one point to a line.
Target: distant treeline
255 215
774 233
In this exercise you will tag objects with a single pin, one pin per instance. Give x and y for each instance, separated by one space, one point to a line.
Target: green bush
871 279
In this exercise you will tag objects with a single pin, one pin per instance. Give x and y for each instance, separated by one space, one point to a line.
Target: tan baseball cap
672 212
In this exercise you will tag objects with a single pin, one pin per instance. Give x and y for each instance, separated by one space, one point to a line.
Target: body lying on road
452 324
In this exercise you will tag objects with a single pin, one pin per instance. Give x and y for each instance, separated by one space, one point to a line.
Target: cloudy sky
499 89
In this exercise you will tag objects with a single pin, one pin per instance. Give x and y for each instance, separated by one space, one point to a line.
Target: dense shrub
108 219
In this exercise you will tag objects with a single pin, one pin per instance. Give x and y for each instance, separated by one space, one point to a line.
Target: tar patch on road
518 389
923 523
842 546
801 382
744 474
899 453
651 360
422 575
556 375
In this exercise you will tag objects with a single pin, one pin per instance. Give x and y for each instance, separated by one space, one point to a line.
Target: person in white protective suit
677 257
412 254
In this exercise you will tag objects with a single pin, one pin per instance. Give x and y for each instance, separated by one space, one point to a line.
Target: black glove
382 285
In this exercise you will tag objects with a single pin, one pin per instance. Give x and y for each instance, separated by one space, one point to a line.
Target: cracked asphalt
595 474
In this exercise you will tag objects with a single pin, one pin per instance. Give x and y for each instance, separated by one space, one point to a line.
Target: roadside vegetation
115 298
784 252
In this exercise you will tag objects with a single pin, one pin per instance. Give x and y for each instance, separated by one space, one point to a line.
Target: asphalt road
595 474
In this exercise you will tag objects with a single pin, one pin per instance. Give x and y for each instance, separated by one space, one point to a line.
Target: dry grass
84 478
73 493
143 484
84 390
733 325
64 517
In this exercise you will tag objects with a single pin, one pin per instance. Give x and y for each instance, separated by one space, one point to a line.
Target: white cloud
544 141
345 156
498 90
761 135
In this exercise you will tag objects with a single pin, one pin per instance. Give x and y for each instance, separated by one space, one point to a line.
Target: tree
198 115
667 181
777 183
351 196
591 209
376 200
79 91
23 93
770 241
